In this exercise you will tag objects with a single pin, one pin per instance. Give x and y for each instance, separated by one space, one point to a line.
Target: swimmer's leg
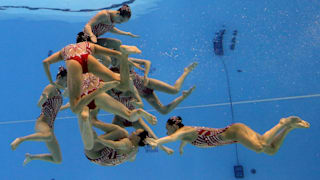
54 157
165 109
164 87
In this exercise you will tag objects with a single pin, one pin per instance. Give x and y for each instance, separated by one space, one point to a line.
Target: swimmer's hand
132 35
42 100
145 80
152 142
93 38
167 150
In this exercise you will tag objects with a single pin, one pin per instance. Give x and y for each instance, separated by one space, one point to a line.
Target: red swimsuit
78 52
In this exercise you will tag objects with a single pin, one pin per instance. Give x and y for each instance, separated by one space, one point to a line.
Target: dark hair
143 135
62 72
81 37
175 120
125 11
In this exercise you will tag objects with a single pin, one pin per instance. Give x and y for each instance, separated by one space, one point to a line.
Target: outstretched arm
178 135
149 130
54 58
118 31
64 107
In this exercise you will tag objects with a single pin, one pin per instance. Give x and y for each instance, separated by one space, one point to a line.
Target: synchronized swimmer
100 75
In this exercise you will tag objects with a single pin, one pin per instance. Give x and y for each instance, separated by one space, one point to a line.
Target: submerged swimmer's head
62 72
173 124
81 37
62 76
140 135
124 14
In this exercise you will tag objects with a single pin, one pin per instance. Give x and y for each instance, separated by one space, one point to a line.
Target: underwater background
272 72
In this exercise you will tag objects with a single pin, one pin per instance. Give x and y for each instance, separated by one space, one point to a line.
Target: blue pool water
273 72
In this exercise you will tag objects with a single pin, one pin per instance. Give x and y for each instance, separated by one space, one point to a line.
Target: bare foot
129 49
15 143
27 159
185 94
149 117
190 67
295 122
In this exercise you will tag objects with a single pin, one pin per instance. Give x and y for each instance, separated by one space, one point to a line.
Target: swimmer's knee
84 116
163 110
48 136
58 160
271 150
259 148
174 90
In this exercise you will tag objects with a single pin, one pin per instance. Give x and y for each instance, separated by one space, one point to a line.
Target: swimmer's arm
54 58
44 96
118 31
64 107
105 51
182 145
42 99
178 135
137 102
149 130
97 123
96 20
135 65
146 63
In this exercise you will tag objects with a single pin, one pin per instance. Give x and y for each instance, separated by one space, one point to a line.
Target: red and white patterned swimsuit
138 83
101 29
78 52
51 107
110 157
209 137
125 100
89 84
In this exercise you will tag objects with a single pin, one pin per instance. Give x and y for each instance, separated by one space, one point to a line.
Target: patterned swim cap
174 120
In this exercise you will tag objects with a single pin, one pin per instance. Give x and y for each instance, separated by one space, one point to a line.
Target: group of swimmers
99 74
